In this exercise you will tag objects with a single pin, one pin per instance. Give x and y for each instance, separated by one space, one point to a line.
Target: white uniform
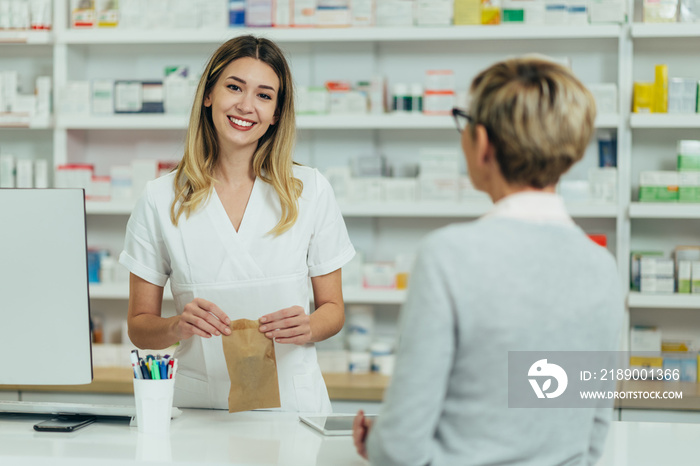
247 274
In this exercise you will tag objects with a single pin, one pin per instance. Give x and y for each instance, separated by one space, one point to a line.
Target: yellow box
643 100
660 89
467 12
490 13
646 362
674 346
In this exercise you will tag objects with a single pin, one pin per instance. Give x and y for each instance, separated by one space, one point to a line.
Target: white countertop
196 437
272 438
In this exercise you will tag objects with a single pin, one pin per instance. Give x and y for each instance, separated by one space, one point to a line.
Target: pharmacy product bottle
402 100
416 98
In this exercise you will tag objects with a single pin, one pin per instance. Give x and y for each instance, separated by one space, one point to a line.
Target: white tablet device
334 424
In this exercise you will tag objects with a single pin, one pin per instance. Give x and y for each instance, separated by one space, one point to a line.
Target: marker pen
135 365
163 366
144 369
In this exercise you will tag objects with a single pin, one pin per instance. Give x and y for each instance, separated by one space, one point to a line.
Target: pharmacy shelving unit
318 55
662 226
598 53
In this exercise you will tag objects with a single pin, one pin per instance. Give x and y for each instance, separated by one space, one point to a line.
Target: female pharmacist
522 278
238 229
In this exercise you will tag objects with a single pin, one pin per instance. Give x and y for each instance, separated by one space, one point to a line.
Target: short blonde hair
272 161
539 118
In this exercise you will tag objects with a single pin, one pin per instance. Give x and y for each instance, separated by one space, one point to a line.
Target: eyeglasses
461 118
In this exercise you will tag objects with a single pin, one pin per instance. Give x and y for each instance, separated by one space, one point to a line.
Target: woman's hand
289 325
360 430
203 318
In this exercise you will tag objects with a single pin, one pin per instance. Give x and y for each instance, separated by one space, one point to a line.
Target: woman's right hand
203 318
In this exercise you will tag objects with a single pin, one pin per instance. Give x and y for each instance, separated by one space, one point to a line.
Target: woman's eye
233 87
265 96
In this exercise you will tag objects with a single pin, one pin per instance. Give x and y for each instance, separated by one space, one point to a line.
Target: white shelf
118 291
396 209
355 34
370 296
126 121
667 30
664 301
665 120
350 295
385 121
26 37
459 210
664 210
108 207
14 121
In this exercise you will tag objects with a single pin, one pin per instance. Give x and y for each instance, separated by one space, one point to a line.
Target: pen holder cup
154 402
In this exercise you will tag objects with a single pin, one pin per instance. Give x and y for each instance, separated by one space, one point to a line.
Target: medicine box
659 11
467 12
682 95
654 267
400 189
605 95
607 11
645 339
333 13
684 268
654 285
643 97
646 362
433 12
635 263
127 97
102 97
658 186
689 187
152 97
603 184
695 277
258 13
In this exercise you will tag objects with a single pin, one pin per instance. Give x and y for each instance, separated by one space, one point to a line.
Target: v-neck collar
252 204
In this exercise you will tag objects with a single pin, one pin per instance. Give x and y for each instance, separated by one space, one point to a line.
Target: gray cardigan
478 291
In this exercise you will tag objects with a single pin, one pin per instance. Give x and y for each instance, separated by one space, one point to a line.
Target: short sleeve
145 253
330 247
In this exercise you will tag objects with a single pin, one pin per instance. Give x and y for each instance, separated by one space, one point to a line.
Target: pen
144 369
171 370
155 373
135 365
163 366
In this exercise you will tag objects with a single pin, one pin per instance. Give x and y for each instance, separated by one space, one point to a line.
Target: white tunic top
247 273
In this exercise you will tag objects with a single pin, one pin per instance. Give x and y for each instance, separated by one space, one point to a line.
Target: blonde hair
539 118
272 161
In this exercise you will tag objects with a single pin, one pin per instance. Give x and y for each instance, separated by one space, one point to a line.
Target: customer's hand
203 318
360 430
288 325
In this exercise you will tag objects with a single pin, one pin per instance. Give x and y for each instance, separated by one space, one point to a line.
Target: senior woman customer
523 277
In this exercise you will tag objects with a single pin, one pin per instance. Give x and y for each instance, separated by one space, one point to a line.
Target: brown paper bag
252 368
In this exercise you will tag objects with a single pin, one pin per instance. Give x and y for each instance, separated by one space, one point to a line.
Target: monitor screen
44 300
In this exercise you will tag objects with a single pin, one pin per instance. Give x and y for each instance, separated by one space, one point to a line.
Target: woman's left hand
289 325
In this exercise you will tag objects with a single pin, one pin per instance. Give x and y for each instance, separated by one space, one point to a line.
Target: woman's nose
245 103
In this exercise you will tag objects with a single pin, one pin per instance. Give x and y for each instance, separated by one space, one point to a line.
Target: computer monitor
44 301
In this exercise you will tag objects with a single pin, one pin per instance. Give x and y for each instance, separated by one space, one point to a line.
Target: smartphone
64 423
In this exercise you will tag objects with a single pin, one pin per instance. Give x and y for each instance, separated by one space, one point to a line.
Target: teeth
240 122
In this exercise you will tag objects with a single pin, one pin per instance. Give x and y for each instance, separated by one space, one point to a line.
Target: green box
658 194
513 15
689 194
688 163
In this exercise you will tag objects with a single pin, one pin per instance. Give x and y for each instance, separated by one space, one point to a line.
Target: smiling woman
238 230
243 104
